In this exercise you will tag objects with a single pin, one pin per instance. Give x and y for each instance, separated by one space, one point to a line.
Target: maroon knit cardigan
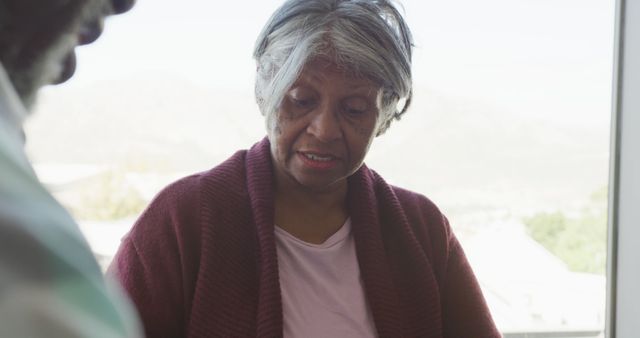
201 260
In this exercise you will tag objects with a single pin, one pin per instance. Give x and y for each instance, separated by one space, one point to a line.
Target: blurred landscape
466 155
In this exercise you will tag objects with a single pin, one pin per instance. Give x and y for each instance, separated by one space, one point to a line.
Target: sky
518 53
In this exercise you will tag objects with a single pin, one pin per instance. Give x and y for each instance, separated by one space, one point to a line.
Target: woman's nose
325 125
121 6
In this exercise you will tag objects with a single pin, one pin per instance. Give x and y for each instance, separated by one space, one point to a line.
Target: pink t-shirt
322 290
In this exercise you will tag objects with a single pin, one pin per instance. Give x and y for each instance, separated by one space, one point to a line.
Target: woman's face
324 127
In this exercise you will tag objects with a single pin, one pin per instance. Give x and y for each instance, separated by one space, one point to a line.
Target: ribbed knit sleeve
156 261
464 308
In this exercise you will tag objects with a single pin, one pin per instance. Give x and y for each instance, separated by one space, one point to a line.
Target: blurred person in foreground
50 283
296 237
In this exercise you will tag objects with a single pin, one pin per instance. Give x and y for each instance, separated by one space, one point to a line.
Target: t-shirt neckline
337 237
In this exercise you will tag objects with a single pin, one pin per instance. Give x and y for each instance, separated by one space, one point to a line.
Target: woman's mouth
318 161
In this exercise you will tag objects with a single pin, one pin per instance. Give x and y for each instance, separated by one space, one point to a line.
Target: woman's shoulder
423 214
408 200
225 178
180 204
414 200
429 225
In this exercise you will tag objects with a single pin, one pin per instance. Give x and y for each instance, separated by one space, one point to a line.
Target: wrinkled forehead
321 67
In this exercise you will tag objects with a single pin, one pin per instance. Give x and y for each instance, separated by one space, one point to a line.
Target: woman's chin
319 185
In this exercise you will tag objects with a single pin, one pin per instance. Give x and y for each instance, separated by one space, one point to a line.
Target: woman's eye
356 107
303 103
355 111
301 98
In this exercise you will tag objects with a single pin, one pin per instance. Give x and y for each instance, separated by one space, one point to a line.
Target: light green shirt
50 282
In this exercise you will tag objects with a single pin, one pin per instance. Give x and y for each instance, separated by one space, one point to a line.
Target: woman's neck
312 216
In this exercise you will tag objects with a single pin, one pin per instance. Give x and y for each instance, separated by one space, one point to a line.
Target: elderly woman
296 237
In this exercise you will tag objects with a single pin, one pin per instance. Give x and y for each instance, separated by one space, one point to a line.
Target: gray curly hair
369 38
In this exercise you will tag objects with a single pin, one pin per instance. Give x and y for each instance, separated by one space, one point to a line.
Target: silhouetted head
37 38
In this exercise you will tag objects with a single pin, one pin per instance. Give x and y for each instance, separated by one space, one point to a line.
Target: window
625 183
508 134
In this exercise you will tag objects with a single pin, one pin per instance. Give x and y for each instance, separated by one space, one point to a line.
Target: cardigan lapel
420 292
399 282
374 265
260 186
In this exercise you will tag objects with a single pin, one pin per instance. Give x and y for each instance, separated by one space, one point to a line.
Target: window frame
623 272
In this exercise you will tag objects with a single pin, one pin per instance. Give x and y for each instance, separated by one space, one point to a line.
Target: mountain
465 154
